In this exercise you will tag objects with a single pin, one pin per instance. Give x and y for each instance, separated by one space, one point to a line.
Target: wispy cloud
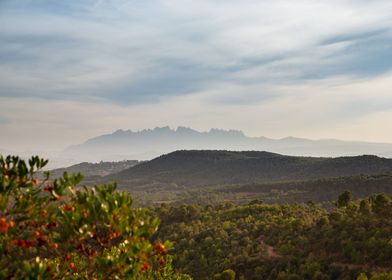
129 51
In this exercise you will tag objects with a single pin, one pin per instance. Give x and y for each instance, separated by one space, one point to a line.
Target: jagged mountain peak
149 143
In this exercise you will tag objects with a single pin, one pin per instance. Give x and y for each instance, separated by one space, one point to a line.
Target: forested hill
228 167
95 169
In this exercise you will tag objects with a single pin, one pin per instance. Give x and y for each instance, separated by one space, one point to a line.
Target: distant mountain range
208 168
150 143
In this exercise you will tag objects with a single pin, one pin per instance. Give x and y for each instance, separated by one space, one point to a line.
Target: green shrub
54 230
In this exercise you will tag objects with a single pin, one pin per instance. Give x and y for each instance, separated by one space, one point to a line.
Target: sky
71 70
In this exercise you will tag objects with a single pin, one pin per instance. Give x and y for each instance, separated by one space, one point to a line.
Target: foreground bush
52 230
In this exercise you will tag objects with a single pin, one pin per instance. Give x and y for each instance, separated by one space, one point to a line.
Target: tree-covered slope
318 190
290 241
204 167
95 169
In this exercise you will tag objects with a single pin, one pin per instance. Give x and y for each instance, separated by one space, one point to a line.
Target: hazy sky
70 70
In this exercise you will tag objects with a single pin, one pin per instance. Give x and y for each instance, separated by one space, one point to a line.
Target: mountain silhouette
150 143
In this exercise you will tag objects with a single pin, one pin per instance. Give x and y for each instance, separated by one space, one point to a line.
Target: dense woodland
323 191
290 241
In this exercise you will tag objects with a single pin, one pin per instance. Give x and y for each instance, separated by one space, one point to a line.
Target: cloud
128 52
297 67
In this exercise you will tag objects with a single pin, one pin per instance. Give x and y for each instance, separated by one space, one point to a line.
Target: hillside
202 168
322 190
288 241
95 169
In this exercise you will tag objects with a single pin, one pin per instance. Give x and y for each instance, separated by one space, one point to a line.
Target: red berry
72 265
5 225
54 246
68 208
21 243
29 243
160 248
48 188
